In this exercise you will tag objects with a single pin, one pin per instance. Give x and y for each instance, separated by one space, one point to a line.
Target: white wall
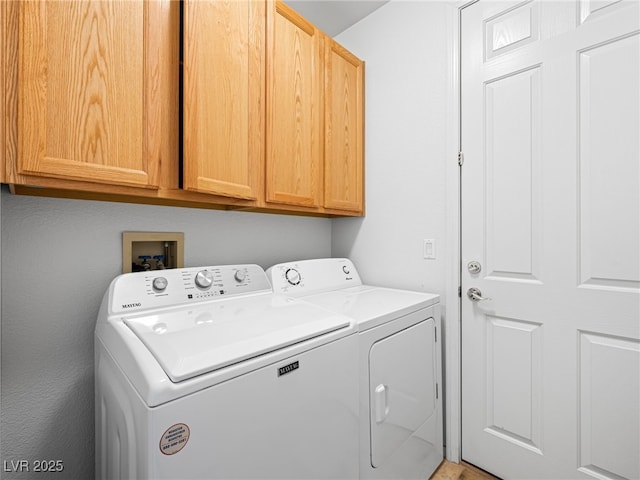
58 257
410 150
404 45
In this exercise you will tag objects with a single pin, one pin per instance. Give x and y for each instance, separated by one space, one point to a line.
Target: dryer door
401 388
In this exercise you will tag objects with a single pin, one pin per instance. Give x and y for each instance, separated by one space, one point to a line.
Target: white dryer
401 434
202 373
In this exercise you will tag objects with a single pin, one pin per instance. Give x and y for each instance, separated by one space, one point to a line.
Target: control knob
204 279
159 284
240 276
292 276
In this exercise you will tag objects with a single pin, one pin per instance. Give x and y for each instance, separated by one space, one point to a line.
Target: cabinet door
224 62
294 125
343 153
90 93
8 85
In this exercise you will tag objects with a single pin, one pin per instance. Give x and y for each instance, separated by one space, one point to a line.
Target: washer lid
192 341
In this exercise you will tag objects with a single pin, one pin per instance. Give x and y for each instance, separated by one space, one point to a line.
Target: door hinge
459 291
435 334
460 159
437 396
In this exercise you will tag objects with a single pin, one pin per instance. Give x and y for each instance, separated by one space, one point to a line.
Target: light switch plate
429 248
152 244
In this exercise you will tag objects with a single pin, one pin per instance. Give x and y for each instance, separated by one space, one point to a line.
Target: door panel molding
608 387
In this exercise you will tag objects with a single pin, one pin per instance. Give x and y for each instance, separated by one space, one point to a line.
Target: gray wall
58 257
404 44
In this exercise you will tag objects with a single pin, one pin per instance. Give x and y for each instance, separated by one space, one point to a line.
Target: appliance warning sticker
174 439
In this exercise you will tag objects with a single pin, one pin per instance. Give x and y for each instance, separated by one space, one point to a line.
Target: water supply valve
159 261
144 261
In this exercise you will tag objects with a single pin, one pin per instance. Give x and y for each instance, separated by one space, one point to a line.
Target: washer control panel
305 277
138 291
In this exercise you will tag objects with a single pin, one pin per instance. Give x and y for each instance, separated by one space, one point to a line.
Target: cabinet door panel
294 138
224 97
344 156
8 86
85 89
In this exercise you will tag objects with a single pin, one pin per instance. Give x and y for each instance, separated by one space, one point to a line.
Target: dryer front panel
402 394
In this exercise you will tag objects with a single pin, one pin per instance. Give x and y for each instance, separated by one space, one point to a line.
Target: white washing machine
202 373
400 385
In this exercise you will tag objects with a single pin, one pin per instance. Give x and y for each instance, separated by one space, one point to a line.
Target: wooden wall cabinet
343 129
294 106
8 85
98 113
314 155
223 99
272 107
94 100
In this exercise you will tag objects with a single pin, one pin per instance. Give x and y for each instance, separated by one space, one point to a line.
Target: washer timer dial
292 276
240 276
204 279
159 284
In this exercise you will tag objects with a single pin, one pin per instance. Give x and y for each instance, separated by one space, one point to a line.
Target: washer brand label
131 305
174 439
288 368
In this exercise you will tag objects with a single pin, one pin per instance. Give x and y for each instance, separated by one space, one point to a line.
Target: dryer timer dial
292 276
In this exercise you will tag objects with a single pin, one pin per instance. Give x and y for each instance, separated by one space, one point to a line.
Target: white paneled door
551 216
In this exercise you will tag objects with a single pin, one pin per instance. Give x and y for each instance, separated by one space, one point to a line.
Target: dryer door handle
380 398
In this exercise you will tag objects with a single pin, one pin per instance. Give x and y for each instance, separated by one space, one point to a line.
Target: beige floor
459 471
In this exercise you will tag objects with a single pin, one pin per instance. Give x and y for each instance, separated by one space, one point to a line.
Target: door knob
476 295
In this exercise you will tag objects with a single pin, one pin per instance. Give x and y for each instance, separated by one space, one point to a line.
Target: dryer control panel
132 292
306 277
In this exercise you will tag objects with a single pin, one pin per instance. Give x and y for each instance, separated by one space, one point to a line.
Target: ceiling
334 16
